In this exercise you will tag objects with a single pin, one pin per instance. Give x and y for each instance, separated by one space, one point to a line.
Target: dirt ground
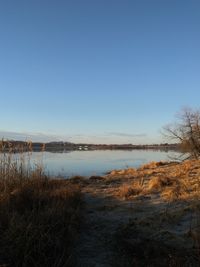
141 217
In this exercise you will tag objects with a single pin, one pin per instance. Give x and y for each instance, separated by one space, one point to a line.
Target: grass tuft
39 216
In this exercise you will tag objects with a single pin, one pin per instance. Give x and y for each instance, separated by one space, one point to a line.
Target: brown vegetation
164 229
164 178
148 216
39 217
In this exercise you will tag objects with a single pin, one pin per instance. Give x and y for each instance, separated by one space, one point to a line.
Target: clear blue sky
107 71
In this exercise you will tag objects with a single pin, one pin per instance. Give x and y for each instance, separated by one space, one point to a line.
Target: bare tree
186 130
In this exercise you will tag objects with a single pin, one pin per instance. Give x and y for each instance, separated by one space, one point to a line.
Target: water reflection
95 162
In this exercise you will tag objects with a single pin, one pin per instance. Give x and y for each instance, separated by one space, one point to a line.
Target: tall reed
39 216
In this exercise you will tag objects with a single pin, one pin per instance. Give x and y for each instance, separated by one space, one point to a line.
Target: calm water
95 162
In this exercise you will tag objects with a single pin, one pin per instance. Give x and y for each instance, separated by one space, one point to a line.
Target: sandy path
104 214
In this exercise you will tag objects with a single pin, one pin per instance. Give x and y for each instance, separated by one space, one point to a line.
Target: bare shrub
186 130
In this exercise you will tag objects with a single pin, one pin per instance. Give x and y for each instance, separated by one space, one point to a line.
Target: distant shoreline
15 146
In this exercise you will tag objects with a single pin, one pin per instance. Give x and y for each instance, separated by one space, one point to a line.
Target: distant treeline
17 146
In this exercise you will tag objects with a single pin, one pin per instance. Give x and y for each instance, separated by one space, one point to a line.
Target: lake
96 162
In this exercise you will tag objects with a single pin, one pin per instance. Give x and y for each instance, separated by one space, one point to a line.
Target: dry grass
128 172
166 231
153 165
173 183
39 217
128 191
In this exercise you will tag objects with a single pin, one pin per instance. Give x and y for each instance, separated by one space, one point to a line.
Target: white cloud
106 138
35 137
120 134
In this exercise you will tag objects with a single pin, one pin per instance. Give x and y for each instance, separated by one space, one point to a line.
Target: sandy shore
141 217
